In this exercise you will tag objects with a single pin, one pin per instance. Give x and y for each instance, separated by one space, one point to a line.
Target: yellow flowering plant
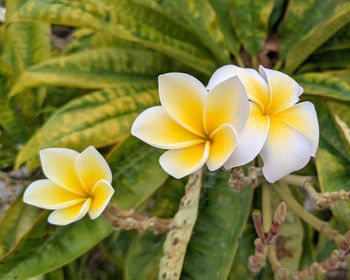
251 110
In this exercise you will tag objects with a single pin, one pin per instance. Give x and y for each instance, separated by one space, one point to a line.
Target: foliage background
87 85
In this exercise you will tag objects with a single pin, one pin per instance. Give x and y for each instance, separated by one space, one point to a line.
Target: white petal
251 139
58 165
47 195
183 97
303 118
156 128
227 103
224 141
284 91
286 150
183 162
69 215
101 195
255 86
91 168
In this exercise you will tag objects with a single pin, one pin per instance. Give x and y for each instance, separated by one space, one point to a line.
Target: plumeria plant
234 164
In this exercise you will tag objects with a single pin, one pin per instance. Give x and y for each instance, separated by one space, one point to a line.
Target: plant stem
321 226
296 180
128 220
266 206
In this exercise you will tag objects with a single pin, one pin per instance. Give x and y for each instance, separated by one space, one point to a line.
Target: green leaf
146 250
9 225
26 45
333 164
128 21
250 21
45 248
136 166
341 117
340 41
325 85
72 13
221 8
316 22
152 29
144 254
221 221
239 268
88 120
277 14
176 241
97 68
327 60
203 20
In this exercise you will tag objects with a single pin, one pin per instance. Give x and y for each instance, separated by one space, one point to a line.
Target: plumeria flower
78 183
195 125
284 133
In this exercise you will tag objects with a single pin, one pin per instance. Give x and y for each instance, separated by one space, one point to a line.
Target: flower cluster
240 114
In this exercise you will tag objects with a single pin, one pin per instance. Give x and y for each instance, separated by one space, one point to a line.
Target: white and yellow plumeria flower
78 183
283 132
195 125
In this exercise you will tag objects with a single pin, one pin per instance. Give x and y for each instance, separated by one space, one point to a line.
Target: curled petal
47 195
182 162
286 150
69 215
255 86
303 118
156 128
284 91
224 140
183 97
227 102
101 195
59 166
251 139
91 168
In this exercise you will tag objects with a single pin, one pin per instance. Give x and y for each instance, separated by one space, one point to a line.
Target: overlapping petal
255 86
92 167
47 195
251 139
59 166
303 118
286 150
182 162
183 97
283 90
70 215
101 195
224 140
156 128
77 184
226 103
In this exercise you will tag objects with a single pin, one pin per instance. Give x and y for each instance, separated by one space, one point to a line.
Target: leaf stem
266 206
321 226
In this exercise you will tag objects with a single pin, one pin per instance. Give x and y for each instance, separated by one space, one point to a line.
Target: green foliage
219 227
87 88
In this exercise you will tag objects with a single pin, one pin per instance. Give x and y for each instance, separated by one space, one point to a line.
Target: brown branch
257 261
337 257
322 200
238 181
122 219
